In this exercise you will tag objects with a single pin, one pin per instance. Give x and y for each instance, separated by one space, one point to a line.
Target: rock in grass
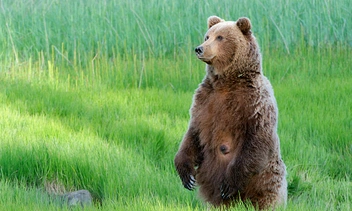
81 198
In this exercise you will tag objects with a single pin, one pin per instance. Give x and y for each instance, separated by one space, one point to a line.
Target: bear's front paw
189 182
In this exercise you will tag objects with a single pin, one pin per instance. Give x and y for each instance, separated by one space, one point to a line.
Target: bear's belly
217 122
210 174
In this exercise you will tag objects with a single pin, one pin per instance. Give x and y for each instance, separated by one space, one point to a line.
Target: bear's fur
231 149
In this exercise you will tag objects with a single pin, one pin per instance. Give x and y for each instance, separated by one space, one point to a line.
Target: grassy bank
95 95
120 143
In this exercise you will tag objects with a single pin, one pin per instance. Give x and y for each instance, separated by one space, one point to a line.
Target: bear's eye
219 38
206 38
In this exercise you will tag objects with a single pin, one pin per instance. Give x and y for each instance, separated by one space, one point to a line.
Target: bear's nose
199 50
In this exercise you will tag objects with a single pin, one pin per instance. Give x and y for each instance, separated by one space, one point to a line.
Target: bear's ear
212 20
244 24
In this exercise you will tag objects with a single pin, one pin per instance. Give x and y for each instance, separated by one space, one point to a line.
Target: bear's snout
199 50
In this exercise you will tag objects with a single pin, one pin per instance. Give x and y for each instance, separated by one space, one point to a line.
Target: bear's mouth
205 59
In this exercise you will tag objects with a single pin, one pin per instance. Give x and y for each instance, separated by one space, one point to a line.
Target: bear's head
230 45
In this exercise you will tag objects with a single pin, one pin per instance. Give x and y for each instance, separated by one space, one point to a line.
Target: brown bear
231 149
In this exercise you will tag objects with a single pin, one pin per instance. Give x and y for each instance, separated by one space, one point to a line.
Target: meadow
96 94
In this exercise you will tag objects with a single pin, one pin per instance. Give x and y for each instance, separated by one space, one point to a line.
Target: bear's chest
215 108
217 115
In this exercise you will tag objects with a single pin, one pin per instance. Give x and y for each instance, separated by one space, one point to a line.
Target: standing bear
231 149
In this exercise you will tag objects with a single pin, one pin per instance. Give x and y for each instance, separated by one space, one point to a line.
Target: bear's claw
190 183
225 191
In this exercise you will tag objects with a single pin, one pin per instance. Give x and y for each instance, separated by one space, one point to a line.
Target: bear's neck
233 75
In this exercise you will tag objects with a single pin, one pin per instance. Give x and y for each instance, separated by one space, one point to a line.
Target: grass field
95 95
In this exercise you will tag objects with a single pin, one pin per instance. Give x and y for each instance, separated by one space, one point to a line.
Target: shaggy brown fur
231 149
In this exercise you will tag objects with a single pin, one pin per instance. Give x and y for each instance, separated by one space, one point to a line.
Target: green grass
96 95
